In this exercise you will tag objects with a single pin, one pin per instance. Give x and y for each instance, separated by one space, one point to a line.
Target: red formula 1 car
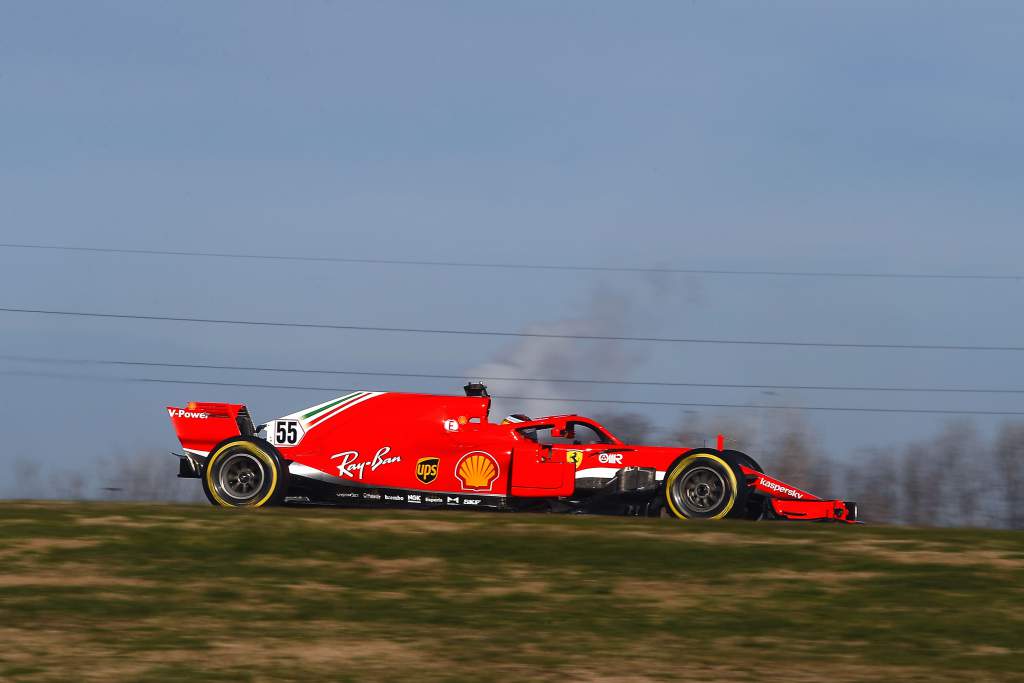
418 450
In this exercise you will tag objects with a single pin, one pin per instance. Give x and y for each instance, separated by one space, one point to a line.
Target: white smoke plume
607 311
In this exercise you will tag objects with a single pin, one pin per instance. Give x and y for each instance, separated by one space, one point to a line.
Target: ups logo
426 469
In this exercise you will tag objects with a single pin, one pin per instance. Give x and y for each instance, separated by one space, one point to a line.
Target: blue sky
812 136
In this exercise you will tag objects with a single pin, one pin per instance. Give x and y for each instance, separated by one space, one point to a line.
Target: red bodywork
201 426
445 445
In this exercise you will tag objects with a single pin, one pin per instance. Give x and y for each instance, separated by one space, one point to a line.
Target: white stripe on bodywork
369 395
195 452
608 473
597 473
297 415
313 473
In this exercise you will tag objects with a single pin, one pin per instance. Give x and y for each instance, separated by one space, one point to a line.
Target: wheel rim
701 490
241 476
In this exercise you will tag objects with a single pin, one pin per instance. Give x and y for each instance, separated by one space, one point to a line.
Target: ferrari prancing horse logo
426 469
575 457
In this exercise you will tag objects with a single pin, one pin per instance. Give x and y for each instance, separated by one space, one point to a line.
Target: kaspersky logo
426 469
779 488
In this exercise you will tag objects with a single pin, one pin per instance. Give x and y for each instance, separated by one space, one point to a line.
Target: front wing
788 502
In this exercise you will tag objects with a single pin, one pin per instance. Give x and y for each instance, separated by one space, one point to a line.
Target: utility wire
518 266
546 380
521 335
153 380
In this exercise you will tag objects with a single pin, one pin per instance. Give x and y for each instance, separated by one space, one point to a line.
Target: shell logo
476 471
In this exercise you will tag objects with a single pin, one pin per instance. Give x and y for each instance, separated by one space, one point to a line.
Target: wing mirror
563 432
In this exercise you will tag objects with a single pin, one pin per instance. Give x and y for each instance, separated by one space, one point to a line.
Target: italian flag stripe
353 398
327 406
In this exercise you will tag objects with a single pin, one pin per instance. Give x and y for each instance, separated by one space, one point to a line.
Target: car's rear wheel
243 473
705 485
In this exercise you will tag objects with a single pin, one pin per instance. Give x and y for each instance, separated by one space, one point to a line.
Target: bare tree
26 473
796 457
71 486
695 432
146 476
632 428
1008 455
959 474
918 491
873 481
689 433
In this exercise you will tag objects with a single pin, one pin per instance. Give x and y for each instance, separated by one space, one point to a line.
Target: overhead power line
682 404
517 266
521 335
463 377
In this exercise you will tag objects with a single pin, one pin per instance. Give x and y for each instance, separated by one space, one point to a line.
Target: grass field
157 593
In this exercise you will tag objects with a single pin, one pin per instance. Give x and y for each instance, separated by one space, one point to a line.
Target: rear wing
201 426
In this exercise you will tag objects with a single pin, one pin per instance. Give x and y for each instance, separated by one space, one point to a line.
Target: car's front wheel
243 473
705 485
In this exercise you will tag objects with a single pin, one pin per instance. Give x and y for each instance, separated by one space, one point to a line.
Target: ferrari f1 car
418 450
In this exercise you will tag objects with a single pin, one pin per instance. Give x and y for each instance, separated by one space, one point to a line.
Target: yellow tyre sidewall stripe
683 464
252 449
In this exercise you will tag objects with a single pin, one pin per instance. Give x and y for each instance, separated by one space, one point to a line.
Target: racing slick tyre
243 472
706 484
756 503
745 460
